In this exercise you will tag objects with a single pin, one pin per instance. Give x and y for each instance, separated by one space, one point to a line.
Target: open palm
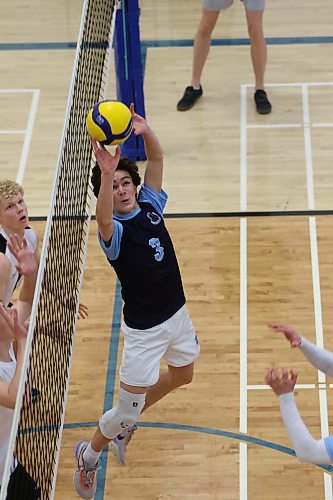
26 260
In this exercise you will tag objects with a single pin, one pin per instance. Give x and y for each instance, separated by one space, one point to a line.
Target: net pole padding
129 70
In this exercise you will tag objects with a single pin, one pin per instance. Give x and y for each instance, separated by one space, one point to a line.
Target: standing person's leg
254 18
201 44
201 48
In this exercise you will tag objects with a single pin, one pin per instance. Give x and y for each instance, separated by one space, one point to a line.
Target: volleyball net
39 414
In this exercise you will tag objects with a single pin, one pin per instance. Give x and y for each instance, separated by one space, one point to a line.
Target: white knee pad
125 414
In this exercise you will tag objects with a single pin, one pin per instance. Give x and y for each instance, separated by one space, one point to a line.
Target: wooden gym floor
250 215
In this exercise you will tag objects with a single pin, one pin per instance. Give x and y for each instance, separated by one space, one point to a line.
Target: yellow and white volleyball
110 122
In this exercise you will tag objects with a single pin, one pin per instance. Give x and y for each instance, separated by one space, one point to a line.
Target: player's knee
255 31
206 27
125 414
204 31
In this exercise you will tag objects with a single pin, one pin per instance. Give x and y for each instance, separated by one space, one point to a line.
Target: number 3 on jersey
155 243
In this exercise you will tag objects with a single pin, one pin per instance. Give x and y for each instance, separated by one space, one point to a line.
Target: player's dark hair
124 164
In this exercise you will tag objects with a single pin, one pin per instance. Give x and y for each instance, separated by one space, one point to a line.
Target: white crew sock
90 456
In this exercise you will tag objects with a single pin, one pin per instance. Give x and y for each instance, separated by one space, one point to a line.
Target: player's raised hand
139 123
289 332
10 317
281 380
106 161
26 260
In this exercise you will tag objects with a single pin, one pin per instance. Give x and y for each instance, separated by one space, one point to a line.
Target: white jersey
15 277
7 372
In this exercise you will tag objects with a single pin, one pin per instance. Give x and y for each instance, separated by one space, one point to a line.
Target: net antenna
37 426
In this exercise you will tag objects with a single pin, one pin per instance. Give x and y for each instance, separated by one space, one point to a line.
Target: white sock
196 87
90 456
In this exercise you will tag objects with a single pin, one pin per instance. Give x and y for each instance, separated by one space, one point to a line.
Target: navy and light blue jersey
142 255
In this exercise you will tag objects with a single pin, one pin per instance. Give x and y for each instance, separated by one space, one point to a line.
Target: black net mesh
38 438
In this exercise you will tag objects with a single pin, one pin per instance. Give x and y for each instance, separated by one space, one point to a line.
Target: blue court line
187 428
240 41
39 46
110 383
172 43
207 430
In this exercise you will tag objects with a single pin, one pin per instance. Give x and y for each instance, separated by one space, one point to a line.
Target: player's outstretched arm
307 448
154 169
321 358
104 207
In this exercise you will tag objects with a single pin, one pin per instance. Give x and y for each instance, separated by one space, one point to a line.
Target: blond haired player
18 265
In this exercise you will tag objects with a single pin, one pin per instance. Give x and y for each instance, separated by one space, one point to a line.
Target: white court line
320 342
275 125
308 147
322 124
309 84
16 91
12 132
243 150
243 326
288 125
242 471
315 274
243 300
264 387
316 291
28 135
243 360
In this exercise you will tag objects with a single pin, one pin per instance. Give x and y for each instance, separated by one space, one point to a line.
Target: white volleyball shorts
175 340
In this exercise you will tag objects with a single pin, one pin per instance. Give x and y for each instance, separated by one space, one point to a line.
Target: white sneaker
120 442
85 477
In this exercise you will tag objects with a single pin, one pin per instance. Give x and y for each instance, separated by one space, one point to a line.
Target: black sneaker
262 103
188 100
